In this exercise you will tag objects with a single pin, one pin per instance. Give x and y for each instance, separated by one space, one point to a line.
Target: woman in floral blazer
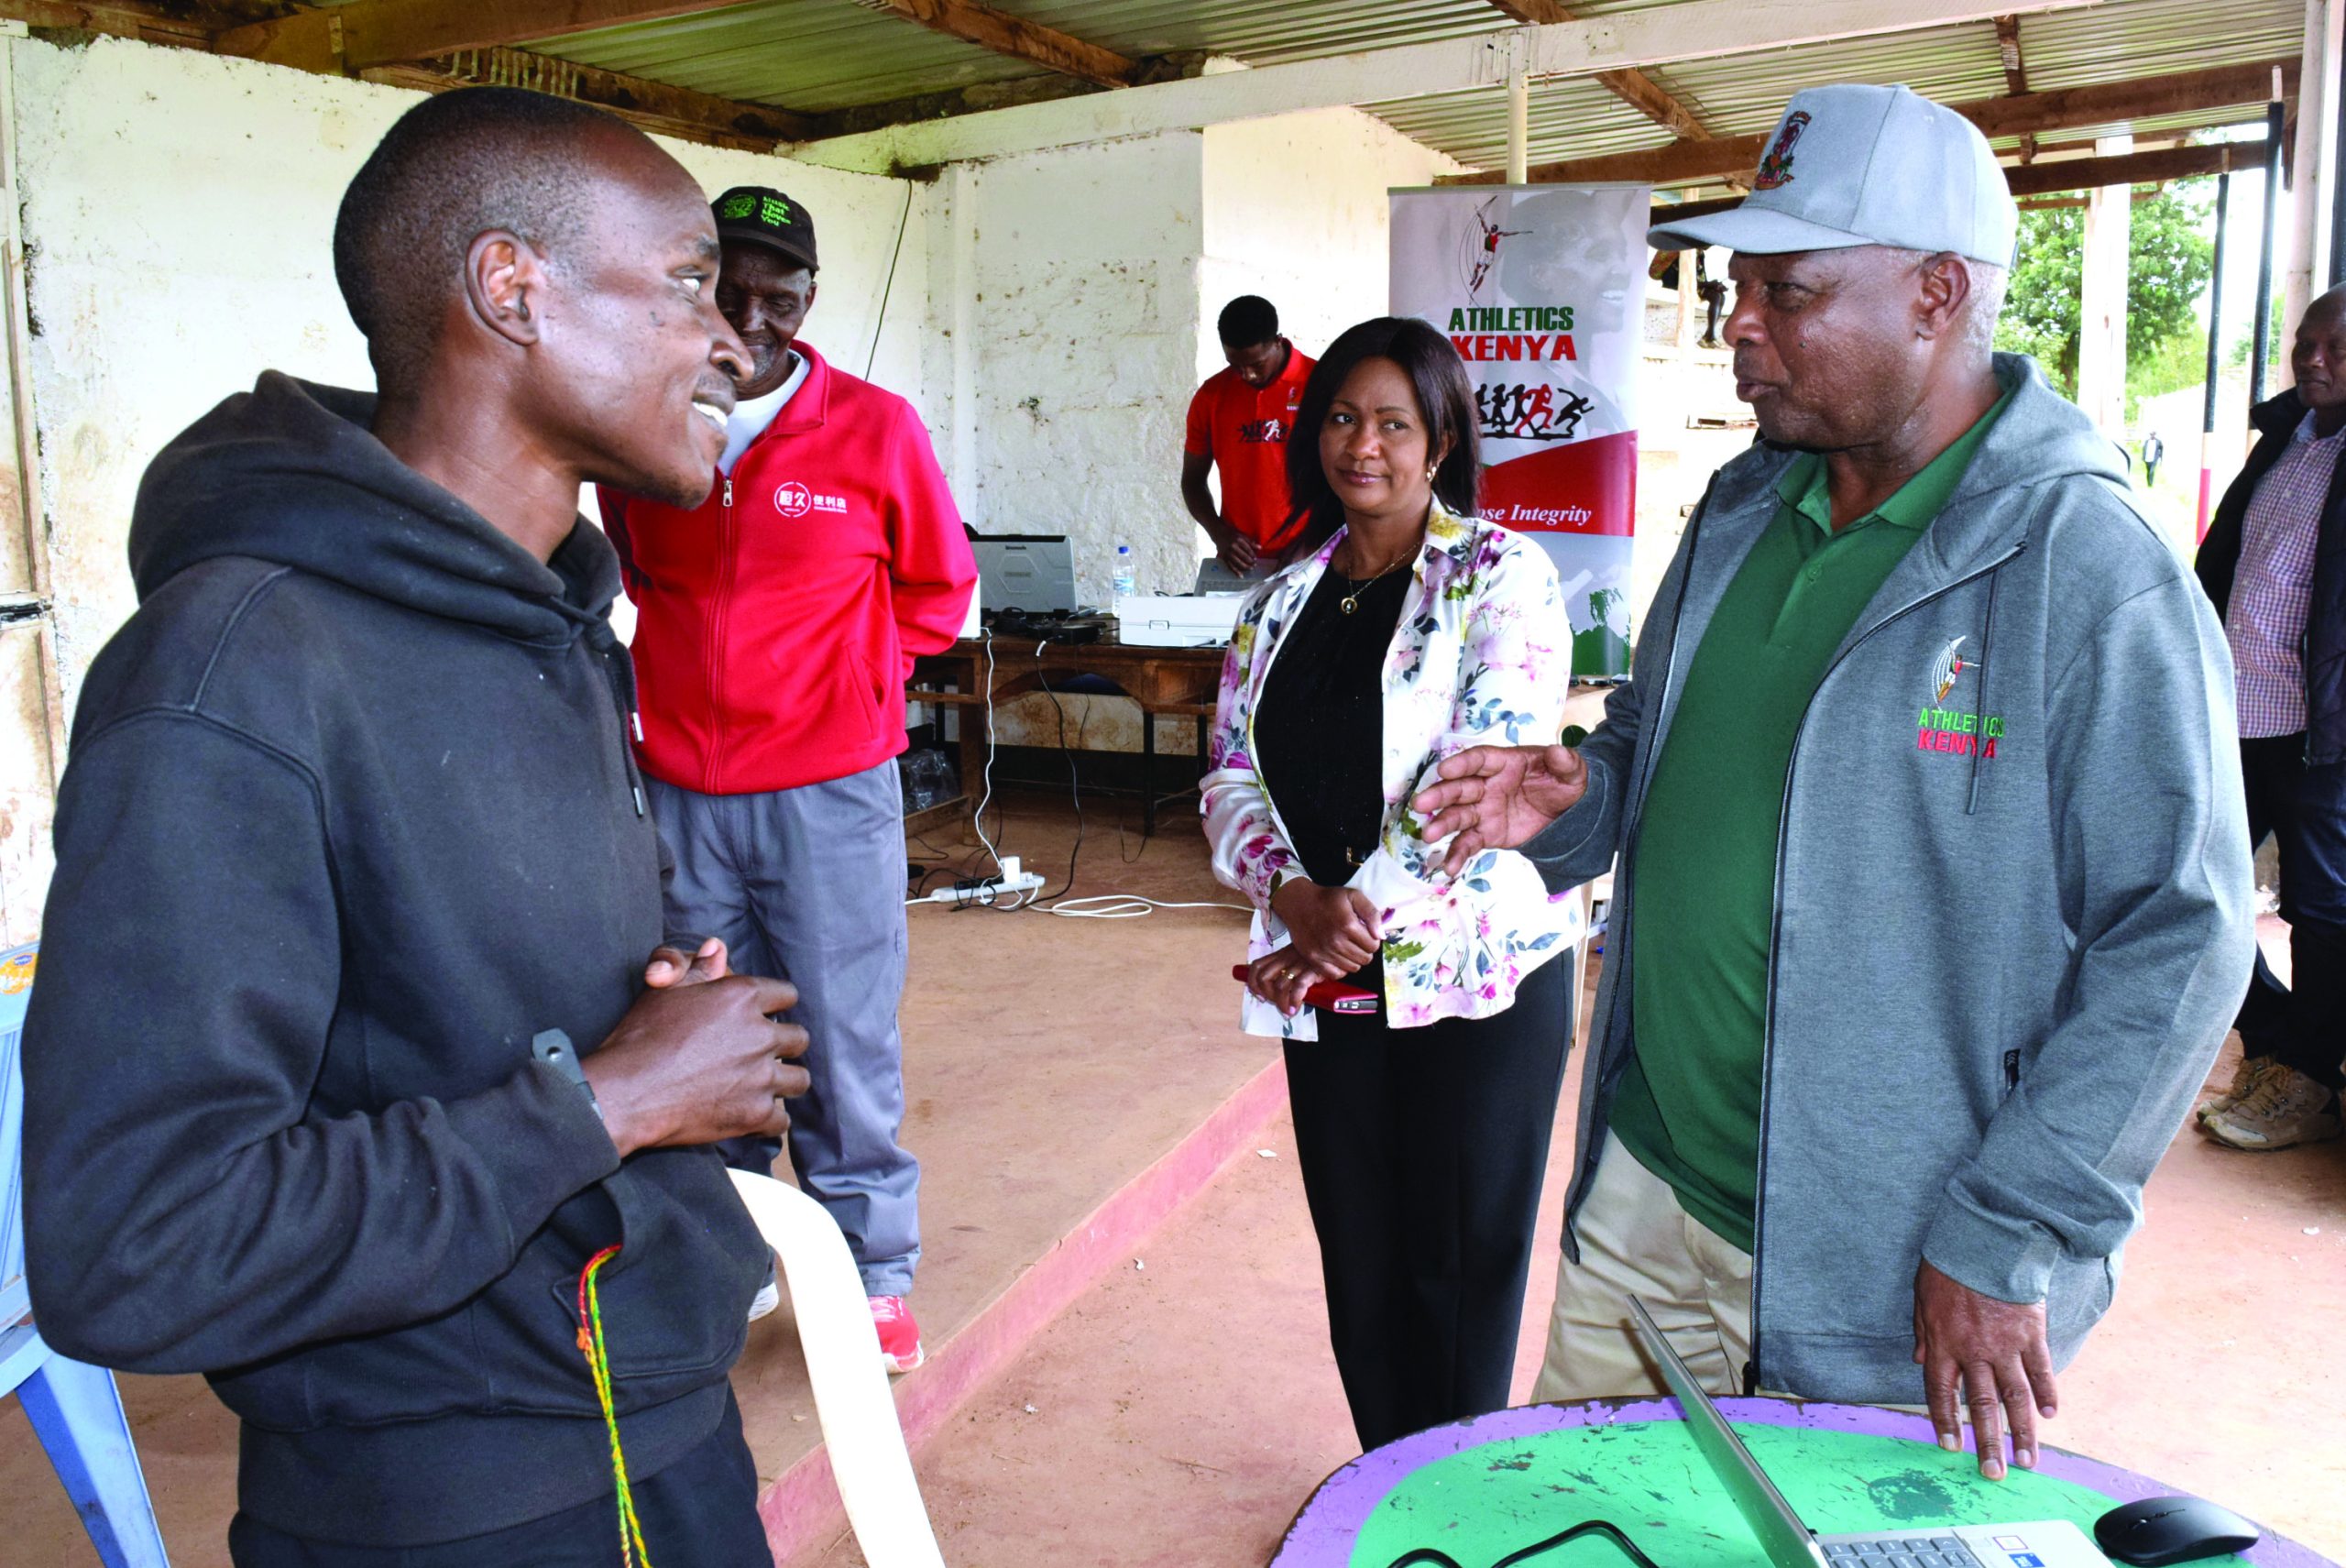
1406 630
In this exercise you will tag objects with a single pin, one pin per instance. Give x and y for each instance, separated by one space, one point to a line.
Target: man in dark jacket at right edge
353 867
2273 564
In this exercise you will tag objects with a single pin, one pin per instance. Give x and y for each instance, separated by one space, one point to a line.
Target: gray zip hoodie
2014 912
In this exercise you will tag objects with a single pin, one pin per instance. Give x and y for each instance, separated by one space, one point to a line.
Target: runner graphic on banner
1542 290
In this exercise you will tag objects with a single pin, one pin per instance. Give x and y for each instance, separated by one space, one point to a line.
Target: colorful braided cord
632 1550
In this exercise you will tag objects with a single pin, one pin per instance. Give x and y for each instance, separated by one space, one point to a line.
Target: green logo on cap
773 211
736 206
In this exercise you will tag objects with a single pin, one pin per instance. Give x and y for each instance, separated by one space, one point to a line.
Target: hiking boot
2282 1108
2244 1077
900 1348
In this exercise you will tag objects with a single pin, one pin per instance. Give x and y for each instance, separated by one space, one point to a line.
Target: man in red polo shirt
1238 424
776 624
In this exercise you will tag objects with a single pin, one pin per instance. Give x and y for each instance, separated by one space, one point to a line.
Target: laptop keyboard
1937 1551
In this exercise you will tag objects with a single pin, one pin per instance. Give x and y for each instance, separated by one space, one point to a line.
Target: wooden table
1163 681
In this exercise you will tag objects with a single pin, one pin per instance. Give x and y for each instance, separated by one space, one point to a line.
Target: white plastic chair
852 1400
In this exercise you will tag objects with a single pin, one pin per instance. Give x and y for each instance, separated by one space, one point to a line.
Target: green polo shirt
1688 1104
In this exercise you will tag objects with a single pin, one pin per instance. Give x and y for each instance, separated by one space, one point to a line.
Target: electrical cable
1435 1558
1129 906
1074 790
889 288
978 819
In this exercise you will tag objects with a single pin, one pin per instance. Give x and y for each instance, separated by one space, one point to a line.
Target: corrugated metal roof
1743 94
809 55
820 55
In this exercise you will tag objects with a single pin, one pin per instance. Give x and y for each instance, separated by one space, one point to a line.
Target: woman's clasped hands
1332 931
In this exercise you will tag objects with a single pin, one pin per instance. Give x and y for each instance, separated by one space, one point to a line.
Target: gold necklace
1351 601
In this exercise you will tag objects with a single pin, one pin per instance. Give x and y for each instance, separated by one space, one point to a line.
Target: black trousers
2305 810
1422 1152
699 1512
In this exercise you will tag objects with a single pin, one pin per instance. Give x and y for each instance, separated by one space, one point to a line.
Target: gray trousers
807 885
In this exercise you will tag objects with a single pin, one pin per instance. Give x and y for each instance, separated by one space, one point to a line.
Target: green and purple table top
1481 1489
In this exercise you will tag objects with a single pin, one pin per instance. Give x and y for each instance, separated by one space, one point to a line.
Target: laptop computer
2045 1543
1031 574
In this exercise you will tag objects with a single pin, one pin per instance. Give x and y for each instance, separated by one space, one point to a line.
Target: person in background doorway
1239 422
2274 565
1934 888
776 624
352 870
1407 630
2153 453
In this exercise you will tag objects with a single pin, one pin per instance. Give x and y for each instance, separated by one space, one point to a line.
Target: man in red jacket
776 624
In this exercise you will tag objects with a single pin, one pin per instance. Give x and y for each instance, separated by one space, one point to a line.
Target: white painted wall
1073 295
1295 211
179 213
1064 292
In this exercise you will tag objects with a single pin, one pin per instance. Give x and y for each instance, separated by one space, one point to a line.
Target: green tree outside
2170 257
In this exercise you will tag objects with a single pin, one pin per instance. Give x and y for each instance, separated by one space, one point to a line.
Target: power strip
1012 883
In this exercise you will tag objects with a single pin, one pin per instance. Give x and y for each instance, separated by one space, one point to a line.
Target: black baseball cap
763 215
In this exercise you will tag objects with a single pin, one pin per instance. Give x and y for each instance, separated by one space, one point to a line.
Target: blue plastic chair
75 1409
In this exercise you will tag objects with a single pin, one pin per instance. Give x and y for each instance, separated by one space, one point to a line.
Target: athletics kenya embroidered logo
1776 168
1942 728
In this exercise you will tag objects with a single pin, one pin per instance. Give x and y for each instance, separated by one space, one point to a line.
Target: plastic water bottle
1123 578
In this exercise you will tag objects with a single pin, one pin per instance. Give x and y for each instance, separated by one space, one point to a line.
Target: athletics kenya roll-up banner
1543 289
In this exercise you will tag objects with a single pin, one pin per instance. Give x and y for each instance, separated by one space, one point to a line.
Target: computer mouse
2171 1529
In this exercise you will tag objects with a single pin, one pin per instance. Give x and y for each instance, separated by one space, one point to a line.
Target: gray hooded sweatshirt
2013 913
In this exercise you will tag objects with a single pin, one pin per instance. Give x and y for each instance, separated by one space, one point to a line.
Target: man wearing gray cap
1934 892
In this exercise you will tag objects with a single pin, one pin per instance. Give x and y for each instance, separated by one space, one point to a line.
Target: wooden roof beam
2007 49
2071 174
134 20
1681 162
653 106
1633 87
1017 37
368 33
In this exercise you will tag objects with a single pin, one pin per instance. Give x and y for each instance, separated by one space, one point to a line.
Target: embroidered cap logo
1776 168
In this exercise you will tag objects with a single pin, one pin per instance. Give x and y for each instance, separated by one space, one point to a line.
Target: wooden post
2314 171
2261 331
1518 127
2101 318
2215 342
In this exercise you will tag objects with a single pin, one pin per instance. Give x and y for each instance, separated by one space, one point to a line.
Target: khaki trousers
1634 1237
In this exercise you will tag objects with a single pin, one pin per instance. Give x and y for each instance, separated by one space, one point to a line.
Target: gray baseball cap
1855 165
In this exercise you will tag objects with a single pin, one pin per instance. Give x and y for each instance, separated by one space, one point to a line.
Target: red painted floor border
802 1509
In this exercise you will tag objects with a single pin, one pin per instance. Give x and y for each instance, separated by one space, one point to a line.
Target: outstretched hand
1496 797
1996 1352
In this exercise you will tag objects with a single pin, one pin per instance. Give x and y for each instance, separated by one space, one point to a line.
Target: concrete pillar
2315 162
2101 316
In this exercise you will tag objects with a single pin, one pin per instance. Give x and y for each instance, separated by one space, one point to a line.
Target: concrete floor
1184 1407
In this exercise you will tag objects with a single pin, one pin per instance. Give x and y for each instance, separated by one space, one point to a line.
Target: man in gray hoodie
1933 898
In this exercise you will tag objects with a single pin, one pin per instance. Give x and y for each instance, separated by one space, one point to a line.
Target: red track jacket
777 622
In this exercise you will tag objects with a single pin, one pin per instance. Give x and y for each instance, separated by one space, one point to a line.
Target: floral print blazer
1482 656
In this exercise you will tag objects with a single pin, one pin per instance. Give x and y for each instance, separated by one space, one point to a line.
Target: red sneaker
900 1348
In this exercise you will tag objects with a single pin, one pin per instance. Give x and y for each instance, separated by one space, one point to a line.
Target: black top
350 819
1319 728
2276 421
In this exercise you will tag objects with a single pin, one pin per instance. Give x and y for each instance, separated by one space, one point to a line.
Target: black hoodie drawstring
1979 740
619 670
